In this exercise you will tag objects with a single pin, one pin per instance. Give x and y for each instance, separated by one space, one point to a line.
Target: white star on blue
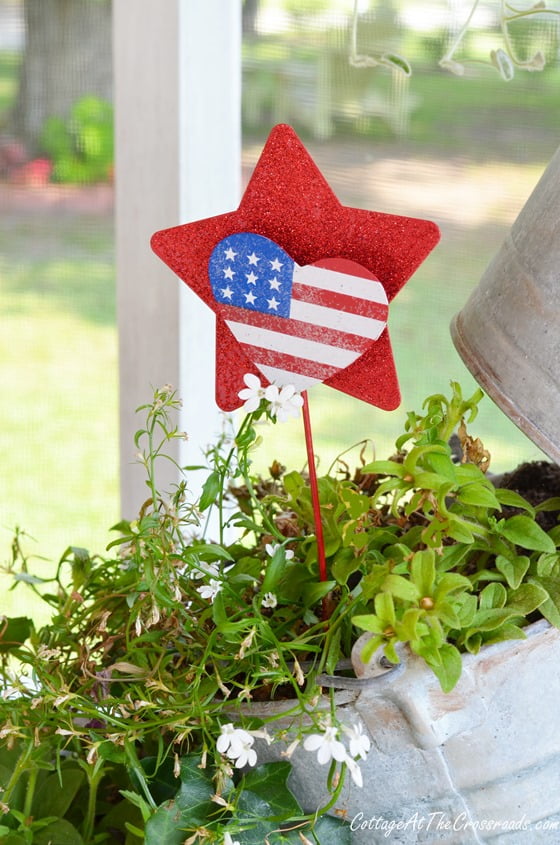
259 274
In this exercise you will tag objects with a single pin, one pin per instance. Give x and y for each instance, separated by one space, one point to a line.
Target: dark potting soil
536 481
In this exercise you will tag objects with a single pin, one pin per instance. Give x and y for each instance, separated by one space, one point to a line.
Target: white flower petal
323 754
355 771
337 750
313 742
252 381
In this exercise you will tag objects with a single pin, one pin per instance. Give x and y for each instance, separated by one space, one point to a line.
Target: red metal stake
314 489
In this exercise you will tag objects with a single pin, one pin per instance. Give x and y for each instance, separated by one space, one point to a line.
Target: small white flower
252 394
284 402
269 600
272 548
355 771
237 744
231 739
327 746
210 569
210 591
228 840
359 742
247 756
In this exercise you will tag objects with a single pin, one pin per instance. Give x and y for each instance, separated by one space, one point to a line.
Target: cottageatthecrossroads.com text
440 822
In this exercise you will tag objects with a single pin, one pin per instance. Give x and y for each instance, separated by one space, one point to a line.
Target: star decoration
288 201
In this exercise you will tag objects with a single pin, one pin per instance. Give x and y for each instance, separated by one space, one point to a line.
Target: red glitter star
288 201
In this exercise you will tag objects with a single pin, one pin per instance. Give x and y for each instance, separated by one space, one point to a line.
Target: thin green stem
30 791
20 768
94 776
139 773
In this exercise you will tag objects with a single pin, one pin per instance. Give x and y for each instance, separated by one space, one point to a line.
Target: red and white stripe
334 317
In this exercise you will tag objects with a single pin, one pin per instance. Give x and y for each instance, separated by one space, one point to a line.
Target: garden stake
314 489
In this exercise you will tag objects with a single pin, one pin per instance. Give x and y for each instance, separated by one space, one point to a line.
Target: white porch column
177 158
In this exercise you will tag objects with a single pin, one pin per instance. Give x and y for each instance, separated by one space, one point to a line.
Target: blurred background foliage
464 151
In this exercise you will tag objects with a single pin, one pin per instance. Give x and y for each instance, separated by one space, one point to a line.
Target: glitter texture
289 201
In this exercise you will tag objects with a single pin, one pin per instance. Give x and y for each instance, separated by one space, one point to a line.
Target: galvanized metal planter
481 764
508 333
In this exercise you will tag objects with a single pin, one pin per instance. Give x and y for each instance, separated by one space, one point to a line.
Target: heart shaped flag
298 325
319 320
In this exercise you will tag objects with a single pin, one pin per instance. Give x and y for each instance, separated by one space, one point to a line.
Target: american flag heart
298 325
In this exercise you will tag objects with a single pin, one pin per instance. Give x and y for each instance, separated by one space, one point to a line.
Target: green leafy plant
81 147
139 711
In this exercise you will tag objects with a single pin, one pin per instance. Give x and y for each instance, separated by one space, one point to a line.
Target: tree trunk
68 54
250 12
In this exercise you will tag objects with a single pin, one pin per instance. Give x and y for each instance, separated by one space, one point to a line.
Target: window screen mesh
58 344
464 151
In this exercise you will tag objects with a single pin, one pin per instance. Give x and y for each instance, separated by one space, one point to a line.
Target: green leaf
370 648
13 632
423 571
479 495
192 806
452 556
137 801
60 831
219 612
401 588
315 591
385 608
459 530
551 612
210 551
493 596
552 504
274 571
547 564
210 490
448 669
527 598
513 569
408 627
448 615
344 565
384 468
429 480
56 793
451 582
357 504
525 532
505 632
490 619
369 622
513 500
441 463
124 816
466 607
166 825
269 783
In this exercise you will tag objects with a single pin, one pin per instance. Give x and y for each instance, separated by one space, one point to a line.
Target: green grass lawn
58 371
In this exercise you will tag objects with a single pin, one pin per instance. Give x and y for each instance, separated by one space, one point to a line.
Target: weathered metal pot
508 333
480 764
